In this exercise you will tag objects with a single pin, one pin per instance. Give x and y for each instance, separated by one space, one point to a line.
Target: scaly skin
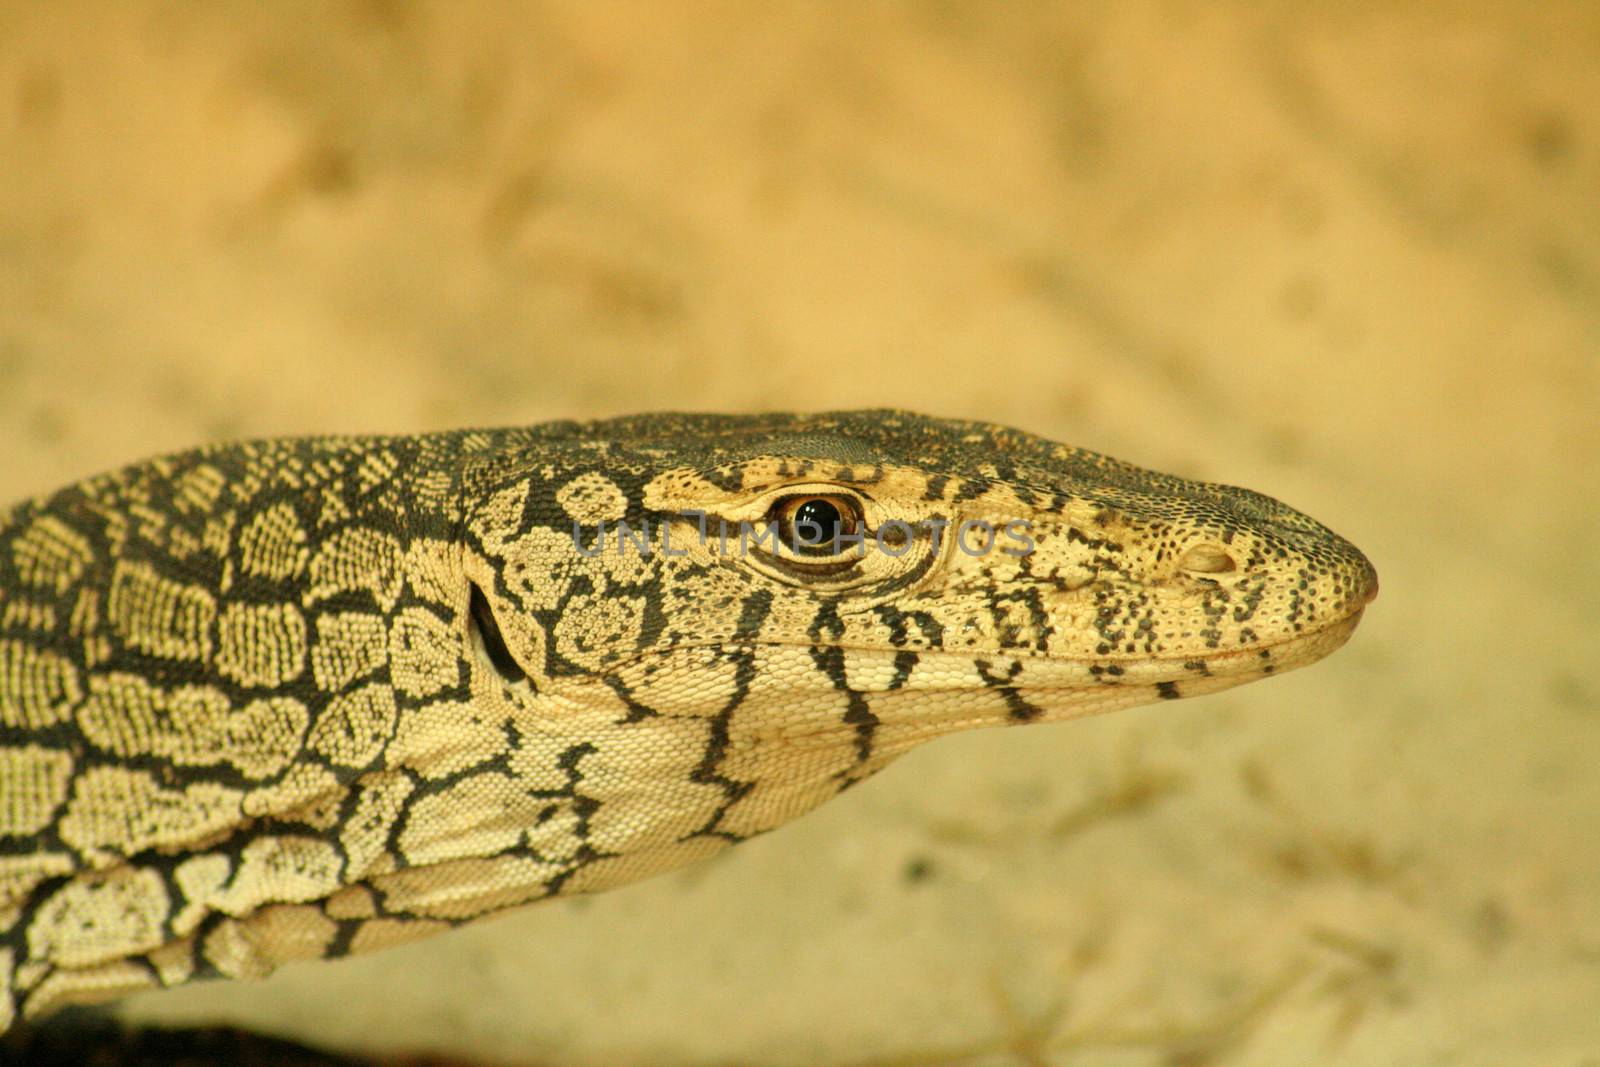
300 698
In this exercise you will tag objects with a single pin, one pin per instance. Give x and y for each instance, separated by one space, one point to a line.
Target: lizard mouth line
1322 640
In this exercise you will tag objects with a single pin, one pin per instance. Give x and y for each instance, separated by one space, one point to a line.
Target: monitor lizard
304 697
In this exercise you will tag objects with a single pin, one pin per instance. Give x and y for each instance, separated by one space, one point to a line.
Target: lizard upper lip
1344 626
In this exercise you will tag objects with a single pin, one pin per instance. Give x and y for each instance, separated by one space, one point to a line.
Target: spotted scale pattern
295 699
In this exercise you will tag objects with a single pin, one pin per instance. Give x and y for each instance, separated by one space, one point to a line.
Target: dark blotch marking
752 613
1017 707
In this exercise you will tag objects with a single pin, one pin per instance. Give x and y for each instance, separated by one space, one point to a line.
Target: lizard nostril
1207 559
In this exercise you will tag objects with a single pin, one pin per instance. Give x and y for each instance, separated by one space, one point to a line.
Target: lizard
299 698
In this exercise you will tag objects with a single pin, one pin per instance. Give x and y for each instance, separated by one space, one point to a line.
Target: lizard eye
816 525
821 537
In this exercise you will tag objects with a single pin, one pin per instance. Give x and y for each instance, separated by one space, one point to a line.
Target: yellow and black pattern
300 698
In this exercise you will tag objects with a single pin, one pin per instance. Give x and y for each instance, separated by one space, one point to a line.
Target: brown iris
816 525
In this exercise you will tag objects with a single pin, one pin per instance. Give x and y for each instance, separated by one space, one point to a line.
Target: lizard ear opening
489 639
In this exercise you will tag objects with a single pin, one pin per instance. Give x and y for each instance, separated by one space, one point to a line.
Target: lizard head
773 607
560 659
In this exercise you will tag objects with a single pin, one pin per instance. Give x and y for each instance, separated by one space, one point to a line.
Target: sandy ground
1345 254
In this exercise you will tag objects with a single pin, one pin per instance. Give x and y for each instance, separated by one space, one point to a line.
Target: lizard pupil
817 522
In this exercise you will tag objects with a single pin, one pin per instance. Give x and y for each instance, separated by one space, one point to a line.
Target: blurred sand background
1345 254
